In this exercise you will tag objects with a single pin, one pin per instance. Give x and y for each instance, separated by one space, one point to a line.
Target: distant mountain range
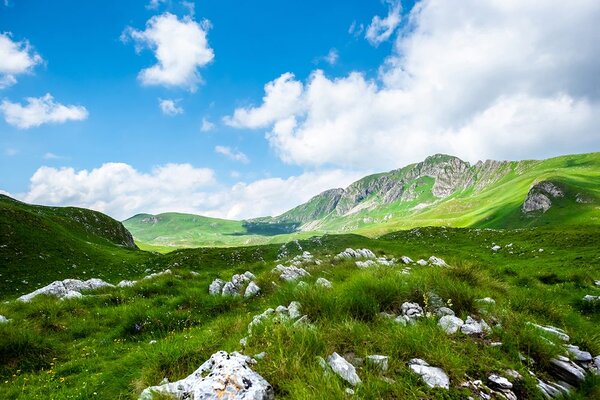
440 191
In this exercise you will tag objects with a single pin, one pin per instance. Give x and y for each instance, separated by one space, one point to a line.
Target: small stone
152 342
437 261
412 310
343 368
496 248
381 362
590 298
249 275
260 356
230 289
443 311
422 262
408 260
450 324
349 392
474 327
126 283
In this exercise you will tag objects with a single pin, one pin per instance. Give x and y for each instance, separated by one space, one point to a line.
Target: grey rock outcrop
579 355
567 370
66 289
540 197
562 335
474 327
411 311
251 290
432 376
216 286
223 376
324 283
358 253
291 273
379 361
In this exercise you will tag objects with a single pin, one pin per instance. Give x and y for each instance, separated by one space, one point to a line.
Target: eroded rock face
432 376
291 273
567 370
223 376
66 289
540 197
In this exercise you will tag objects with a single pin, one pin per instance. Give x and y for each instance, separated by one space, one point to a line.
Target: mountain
440 191
39 244
445 190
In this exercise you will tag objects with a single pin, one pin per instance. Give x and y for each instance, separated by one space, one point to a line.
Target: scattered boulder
496 248
411 311
223 376
324 283
294 310
432 376
66 289
251 290
567 370
216 287
443 311
474 327
408 260
3 319
499 382
157 274
381 362
126 283
422 262
343 368
433 260
358 253
373 262
290 274
450 324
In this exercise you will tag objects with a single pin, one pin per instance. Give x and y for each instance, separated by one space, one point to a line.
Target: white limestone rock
499 382
291 273
126 283
365 264
474 327
216 287
579 355
437 261
251 290
422 262
412 311
450 324
157 274
66 289
343 368
406 260
590 298
3 319
324 283
486 300
294 310
223 376
358 253
567 370
432 376
496 248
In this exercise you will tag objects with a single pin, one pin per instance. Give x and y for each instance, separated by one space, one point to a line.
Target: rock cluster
498 387
434 261
377 261
280 314
223 376
290 273
358 253
239 283
66 289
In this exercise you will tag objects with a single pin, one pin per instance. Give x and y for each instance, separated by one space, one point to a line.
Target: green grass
98 346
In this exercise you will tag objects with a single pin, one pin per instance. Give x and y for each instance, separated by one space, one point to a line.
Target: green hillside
114 342
40 244
440 191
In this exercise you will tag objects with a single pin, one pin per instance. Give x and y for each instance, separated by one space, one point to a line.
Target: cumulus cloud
381 29
234 155
282 99
180 46
476 78
169 107
121 191
16 58
154 4
39 111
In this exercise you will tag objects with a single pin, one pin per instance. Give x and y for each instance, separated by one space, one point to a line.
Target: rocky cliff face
449 174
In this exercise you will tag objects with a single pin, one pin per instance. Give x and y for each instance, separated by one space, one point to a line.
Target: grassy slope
498 206
41 244
89 347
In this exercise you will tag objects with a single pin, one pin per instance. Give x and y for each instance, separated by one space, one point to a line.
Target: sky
240 109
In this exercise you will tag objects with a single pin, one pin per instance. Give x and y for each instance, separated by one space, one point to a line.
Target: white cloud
180 47
169 107
232 154
121 191
381 29
16 58
477 78
11 152
51 156
190 7
206 125
356 29
282 99
154 4
39 111
331 58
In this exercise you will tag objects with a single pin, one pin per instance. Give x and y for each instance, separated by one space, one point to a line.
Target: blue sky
437 79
